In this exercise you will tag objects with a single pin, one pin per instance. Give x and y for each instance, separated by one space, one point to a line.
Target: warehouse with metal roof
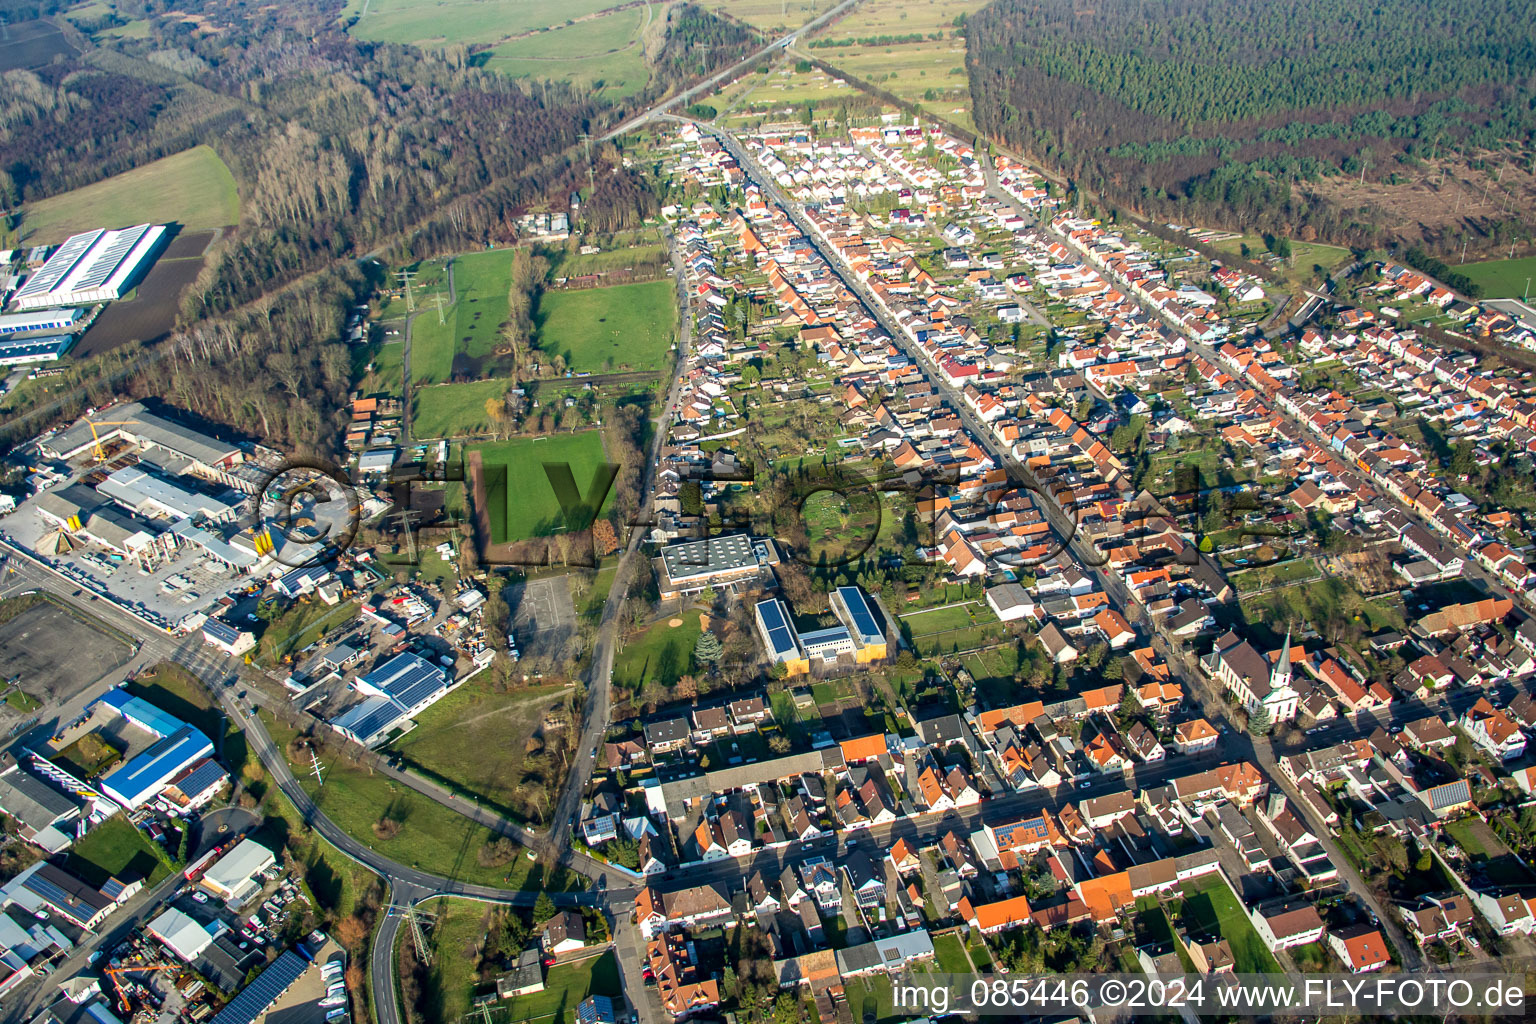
178 745
43 349
236 875
396 691
151 494
94 266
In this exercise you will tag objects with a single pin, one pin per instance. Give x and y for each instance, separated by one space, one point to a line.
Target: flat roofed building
826 644
132 422
96 266
43 349
154 495
692 565
236 875
41 321
778 635
856 613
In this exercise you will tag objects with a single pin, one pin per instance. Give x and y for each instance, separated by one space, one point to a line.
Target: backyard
115 849
1210 907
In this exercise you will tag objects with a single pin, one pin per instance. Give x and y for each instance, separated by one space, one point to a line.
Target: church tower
1280 675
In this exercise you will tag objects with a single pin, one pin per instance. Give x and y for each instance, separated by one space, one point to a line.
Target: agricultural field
930 72
421 832
429 23
192 188
462 343
1503 279
758 96
525 507
769 15
603 55
660 654
608 330
476 741
454 410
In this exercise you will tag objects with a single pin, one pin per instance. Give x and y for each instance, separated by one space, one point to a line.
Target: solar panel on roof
102 264
255 998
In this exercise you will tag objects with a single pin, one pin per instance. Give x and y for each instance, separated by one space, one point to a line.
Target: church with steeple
1256 680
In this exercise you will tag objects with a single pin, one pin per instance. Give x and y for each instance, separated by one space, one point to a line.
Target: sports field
523 506
192 188
439 22
603 55
608 330
463 342
1503 279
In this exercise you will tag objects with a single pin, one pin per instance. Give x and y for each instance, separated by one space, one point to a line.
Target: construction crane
117 986
101 456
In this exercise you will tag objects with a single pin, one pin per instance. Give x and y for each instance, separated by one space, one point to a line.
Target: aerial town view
789 512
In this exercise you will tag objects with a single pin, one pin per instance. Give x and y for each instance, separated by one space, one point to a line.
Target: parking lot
55 655
543 617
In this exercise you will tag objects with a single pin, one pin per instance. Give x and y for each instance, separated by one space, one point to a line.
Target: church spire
1281 676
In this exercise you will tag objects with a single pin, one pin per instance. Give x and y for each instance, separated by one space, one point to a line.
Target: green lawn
661 654
1502 279
950 954
566 985
115 849
602 330
938 620
430 837
430 23
385 358
475 741
1211 906
300 625
462 342
453 410
603 55
336 882
525 506
192 188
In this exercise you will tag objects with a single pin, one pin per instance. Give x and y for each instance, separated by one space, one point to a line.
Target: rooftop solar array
406 679
823 637
781 637
52 346
66 894
861 616
103 261
223 632
59 264
151 769
369 718
203 776
260 994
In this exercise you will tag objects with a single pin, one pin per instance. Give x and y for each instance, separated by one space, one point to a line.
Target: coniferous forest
1225 110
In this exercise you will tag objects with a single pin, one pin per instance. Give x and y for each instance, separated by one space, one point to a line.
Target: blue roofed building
394 693
863 623
176 747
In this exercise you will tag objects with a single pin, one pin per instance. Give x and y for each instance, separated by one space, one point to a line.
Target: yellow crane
113 972
101 456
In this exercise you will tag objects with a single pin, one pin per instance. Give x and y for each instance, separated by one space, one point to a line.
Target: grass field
115 849
88 756
1304 256
1210 906
453 410
527 506
770 14
566 985
930 72
439 22
660 654
1502 279
192 188
603 55
336 882
430 837
464 343
601 330
385 357
475 740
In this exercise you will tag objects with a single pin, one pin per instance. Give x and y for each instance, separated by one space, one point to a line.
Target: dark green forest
1225 109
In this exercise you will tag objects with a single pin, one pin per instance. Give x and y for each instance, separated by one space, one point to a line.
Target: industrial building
177 746
20 351
94 266
858 633
41 321
44 888
192 450
45 815
233 642
152 494
397 691
180 933
691 566
237 874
